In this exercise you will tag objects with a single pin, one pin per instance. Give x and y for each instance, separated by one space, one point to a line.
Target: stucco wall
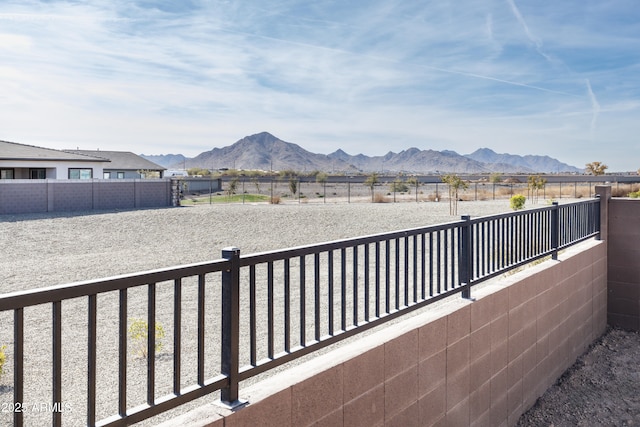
54 169
624 263
481 362
34 196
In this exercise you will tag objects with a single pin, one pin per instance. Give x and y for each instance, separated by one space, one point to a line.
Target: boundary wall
37 196
623 263
478 362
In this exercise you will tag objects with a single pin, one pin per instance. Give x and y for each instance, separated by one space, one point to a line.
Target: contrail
384 59
595 107
536 41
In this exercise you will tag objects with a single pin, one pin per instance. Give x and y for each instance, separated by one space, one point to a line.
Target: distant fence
49 195
309 189
279 305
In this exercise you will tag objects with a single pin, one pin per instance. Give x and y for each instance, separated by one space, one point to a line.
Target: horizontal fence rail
251 313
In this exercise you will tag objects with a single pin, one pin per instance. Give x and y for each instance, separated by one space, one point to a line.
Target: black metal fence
256 312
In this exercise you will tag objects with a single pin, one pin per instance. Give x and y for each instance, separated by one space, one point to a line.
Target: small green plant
3 359
495 178
231 187
635 194
397 186
455 184
139 332
536 183
517 201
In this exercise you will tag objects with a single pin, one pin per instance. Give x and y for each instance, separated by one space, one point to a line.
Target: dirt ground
601 389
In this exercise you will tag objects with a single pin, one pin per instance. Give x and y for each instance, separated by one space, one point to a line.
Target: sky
544 77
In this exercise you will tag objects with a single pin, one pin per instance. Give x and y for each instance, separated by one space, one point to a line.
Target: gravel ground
600 389
42 250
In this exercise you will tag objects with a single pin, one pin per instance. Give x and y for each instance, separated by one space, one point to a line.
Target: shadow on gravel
70 214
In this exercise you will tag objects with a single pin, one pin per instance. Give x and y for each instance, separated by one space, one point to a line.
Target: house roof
122 160
15 151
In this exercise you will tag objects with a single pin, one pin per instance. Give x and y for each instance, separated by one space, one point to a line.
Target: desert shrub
496 178
139 332
3 359
380 198
619 192
517 202
398 186
274 200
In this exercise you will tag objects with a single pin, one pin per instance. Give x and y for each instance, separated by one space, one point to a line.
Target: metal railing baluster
151 344
253 346
91 358
354 262
367 268
377 279
177 335
18 365
287 305
316 296
270 310
459 255
330 292
303 301
122 354
343 289
201 328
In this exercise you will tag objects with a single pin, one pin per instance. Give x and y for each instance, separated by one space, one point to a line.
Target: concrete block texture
26 196
623 269
479 362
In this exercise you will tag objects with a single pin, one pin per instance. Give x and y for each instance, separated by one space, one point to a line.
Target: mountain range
264 151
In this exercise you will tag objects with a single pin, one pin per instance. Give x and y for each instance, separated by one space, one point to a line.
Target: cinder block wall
22 196
478 363
624 263
36 196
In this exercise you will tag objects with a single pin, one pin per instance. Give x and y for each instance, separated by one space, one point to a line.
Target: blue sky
557 78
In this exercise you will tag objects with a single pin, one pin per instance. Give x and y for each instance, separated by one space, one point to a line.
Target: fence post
604 192
231 328
175 192
464 263
555 230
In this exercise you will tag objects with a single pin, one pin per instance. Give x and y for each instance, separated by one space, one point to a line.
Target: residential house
20 161
124 164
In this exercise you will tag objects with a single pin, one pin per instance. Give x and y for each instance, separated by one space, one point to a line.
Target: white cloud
367 78
10 42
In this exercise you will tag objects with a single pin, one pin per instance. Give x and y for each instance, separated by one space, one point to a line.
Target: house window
38 173
120 175
106 175
77 173
7 174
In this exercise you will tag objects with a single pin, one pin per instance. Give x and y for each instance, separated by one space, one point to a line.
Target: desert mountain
166 160
530 162
264 151
420 161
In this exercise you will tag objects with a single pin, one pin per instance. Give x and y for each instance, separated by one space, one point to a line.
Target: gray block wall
38 196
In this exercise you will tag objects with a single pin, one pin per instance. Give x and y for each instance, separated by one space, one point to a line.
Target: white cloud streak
326 75
595 108
533 39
